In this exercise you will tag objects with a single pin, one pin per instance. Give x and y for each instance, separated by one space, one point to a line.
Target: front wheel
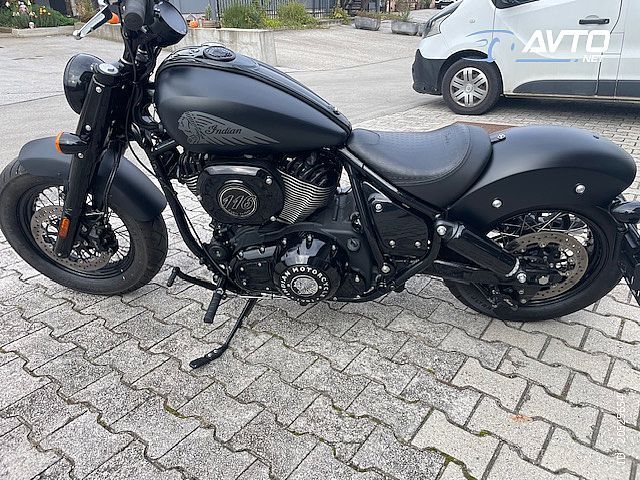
471 86
576 243
113 254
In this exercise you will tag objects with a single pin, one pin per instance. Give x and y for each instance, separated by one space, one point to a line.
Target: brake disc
572 267
44 228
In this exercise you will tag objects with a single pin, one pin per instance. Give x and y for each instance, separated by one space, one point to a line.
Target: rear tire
147 249
471 87
604 274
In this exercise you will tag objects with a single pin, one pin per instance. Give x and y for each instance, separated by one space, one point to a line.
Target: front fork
87 146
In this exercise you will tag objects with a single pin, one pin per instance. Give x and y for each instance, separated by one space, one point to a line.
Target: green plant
404 8
294 15
340 14
19 14
208 12
364 13
239 15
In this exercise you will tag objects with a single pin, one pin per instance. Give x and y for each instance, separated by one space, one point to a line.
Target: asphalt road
364 74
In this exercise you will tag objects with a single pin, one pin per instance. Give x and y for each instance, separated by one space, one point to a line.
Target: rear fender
545 166
132 190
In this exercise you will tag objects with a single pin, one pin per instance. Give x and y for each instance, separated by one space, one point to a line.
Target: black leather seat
437 167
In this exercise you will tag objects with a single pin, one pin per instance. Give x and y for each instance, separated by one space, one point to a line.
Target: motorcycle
525 224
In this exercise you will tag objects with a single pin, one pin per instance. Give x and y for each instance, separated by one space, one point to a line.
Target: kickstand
217 352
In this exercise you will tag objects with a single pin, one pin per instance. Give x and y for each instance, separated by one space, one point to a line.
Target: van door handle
594 21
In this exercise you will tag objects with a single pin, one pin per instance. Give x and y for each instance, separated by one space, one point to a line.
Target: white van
474 51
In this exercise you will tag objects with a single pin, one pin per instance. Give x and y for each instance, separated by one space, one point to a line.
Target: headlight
433 25
76 78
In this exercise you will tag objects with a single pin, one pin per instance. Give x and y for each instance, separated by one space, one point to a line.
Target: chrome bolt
273 218
99 89
269 181
87 128
497 203
543 280
418 244
356 279
523 301
441 230
385 268
392 243
521 277
240 255
199 198
284 241
333 248
309 237
378 207
80 155
259 264
242 269
261 249
580 189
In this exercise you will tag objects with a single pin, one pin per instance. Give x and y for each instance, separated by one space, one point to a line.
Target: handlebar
135 14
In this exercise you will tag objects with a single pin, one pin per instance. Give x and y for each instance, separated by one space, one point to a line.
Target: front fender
541 167
131 189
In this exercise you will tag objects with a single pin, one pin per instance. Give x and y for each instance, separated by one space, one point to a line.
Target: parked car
444 3
477 50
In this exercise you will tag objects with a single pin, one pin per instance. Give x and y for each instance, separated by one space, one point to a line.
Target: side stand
217 352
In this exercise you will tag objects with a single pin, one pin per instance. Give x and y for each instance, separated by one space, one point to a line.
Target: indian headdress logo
204 128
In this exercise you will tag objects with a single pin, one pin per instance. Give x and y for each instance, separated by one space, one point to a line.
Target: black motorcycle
525 224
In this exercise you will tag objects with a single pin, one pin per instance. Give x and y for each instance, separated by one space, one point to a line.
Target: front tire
599 277
471 87
21 198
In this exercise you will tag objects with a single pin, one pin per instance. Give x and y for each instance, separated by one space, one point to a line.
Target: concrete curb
38 32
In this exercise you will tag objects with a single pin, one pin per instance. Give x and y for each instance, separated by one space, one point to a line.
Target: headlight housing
433 25
76 78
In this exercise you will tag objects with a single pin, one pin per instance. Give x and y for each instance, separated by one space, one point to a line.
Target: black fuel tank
212 100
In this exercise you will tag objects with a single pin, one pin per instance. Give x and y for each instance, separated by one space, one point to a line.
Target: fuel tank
213 100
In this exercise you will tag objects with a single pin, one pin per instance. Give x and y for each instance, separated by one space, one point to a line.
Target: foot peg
213 305
217 352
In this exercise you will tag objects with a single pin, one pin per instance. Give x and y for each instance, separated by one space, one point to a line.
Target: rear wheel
471 87
114 253
574 242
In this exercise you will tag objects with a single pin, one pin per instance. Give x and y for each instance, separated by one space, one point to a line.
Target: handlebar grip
135 14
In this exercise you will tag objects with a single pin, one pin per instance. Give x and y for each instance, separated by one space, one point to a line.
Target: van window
510 3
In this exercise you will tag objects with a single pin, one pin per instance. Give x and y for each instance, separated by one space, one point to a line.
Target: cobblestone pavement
413 386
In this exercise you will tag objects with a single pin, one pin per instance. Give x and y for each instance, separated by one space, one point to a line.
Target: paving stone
334 321
11 287
245 341
7 357
276 355
72 371
20 459
382 451
94 338
456 403
113 310
630 332
79 300
430 333
402 416
291 330
608 306
339 352
605 323
341 388
15 326
160 302
471 323
380 314
623 377
44 410
129 359
595 365
63 319
525 433
321 463
191 317
256 471
624 404
507 390
324 421
160 428
565 453
474 450
418 305
203 456
581 420
17 383
146 329
570 333
509 465
39 348
168 380
215 407
184 347
392 375
277 447
7 424
614 436
61 470
385 340
83 435
489 354
553 378
442 364
529 343
597 342
34 301
130 463
281 399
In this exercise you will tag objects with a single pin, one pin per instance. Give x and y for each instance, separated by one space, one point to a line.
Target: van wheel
471 87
